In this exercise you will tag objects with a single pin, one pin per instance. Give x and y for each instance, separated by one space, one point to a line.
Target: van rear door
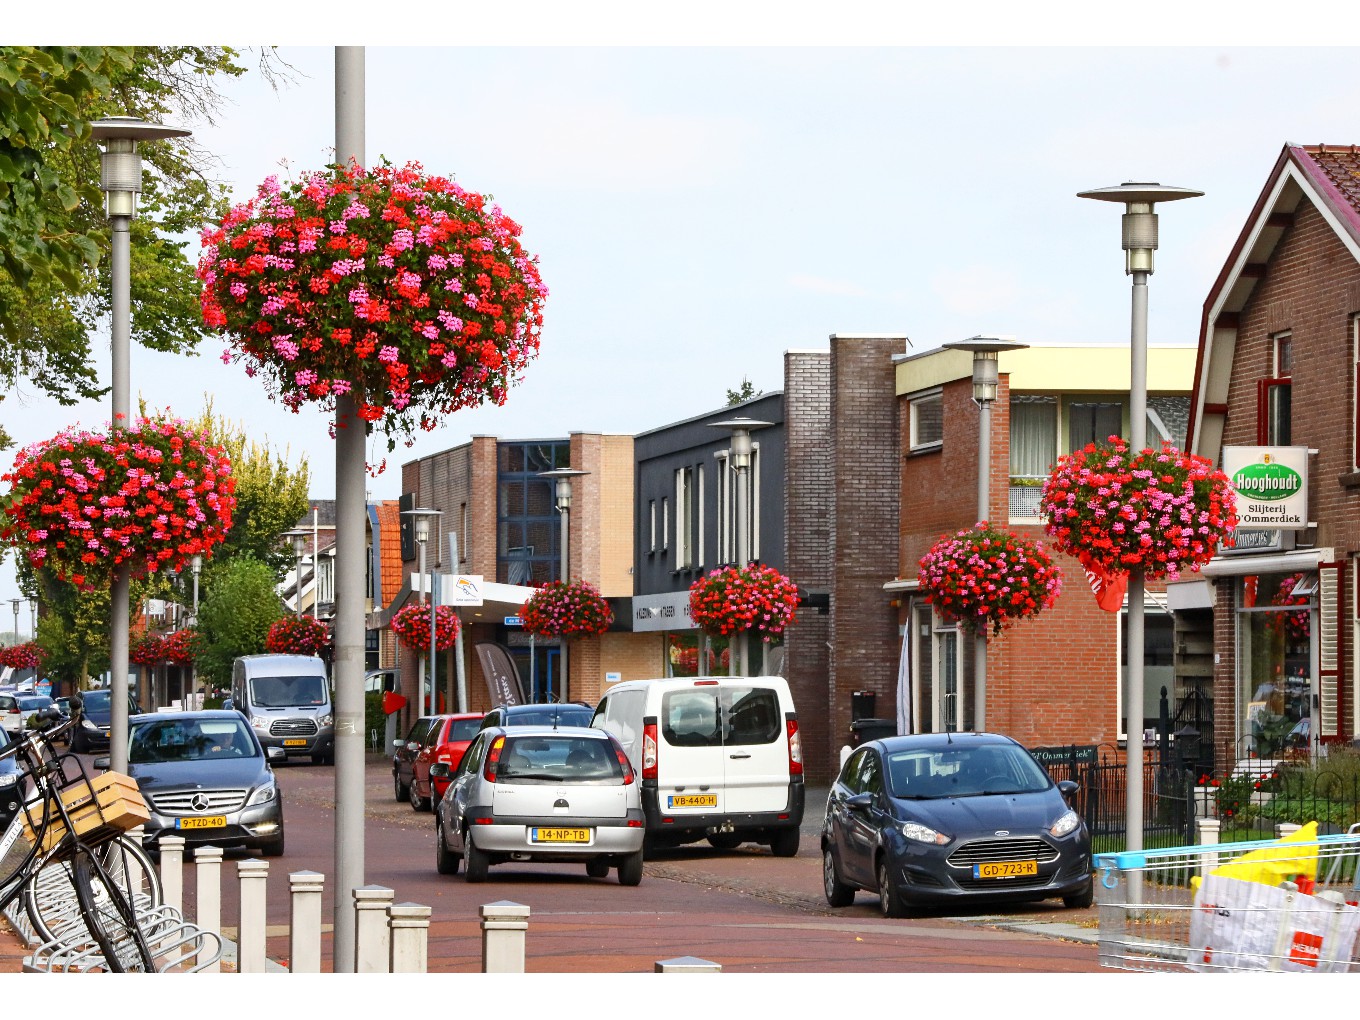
755 748
690 752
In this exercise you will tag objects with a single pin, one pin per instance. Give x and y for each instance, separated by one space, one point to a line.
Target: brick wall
634 656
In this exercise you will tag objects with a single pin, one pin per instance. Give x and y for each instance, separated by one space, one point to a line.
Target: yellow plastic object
1268 866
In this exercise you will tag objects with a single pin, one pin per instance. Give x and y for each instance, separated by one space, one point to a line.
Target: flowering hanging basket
300 635
412 626
25 656
567 609
734 599
399 288
179 647
1161 511
148 497
146 650
987 577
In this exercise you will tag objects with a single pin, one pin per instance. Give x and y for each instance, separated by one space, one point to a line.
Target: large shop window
1275 655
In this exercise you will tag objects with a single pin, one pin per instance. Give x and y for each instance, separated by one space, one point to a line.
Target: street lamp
120 178
299 539
1139 242
740 462
562 500
986 351
33 618
196 564
14 604
421 518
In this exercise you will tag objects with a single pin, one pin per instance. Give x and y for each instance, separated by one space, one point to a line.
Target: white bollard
1208 831
503 926
172 872
208 868
686 965
409 925
1283 829
304 933
371 948
251 958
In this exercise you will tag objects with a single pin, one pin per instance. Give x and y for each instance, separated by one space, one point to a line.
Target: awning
498 602
1268 563
902 584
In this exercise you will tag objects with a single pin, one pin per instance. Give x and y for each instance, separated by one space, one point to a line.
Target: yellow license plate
295 743
203 822
560 836
692 800
1006 869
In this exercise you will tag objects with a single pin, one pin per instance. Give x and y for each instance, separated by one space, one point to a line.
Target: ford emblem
1003 832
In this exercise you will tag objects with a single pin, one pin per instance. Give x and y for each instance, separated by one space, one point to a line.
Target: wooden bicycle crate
105 806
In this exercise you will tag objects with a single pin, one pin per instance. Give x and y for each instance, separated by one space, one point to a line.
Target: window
462 532
665 521
1034 443
1093 422
927 422
725 496
727 507
684 518
528 526
651 525
1158 671
1274 395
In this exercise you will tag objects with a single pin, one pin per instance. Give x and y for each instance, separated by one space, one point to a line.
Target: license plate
560 835
294 742
679 800
1006 869
203 822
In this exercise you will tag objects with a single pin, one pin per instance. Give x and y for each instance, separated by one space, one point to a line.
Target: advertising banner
1271 484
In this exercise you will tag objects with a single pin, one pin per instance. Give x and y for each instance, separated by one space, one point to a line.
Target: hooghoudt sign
1271 484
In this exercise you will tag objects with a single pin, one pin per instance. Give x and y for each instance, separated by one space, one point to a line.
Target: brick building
1278 370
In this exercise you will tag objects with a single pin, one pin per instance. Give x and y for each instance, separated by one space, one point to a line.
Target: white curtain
904 697
1034 435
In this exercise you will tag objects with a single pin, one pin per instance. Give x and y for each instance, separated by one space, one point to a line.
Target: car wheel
403 791
838 894
597 867
417 801
724 840
80 744
445 861
889 899
785 843
1081 900
630 869
477 862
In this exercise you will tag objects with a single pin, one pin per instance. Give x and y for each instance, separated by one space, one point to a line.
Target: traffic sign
514 621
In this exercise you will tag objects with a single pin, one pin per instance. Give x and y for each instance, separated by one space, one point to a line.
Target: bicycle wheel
109 916
49 897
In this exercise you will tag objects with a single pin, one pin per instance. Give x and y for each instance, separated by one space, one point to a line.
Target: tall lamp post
986 351
299 540
1139 242
196 564
421 518
33 618
740 462
120 178
562 500
14 604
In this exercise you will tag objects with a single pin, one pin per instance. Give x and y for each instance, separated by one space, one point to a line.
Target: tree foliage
746 391
236 616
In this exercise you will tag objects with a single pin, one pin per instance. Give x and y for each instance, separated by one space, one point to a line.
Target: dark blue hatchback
939 818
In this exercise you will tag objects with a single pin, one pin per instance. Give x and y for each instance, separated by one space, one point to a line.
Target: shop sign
1271 484
667 611
1258 541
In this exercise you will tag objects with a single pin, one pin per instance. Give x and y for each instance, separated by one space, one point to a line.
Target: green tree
236 616
742 393
73 631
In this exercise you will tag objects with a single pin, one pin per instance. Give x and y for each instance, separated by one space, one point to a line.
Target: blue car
937 819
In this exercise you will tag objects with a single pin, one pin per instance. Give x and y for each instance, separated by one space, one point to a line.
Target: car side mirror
276 754
1066 787
860 801
102 762
439 770
398 743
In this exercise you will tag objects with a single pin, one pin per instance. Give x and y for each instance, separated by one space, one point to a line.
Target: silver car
537 793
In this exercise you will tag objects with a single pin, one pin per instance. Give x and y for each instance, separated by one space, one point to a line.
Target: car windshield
933 774
463 729
32 704
287 691
95 700
549 715
190 740
551 759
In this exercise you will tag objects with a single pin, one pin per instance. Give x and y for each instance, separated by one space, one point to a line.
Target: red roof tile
389 531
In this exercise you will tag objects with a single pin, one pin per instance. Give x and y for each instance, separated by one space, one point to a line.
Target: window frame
1269 392
915 445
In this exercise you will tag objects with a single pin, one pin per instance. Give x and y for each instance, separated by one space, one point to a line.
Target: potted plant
986 577
733 600
412 626
298 635
567 609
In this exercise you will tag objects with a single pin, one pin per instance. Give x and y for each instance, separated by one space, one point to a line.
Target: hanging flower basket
25 656
1161 511
179 647
146 650
148 497
399 288
989 578
412 626
730 600
567 609
301 635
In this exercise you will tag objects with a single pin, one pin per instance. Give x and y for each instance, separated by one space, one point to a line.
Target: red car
446 741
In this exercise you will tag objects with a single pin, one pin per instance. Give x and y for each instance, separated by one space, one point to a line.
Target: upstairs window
927 422
1275 395
1093 422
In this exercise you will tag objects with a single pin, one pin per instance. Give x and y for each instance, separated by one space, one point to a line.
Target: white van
720 758
287 701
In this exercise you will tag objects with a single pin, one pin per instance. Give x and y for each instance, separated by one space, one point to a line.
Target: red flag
1109 588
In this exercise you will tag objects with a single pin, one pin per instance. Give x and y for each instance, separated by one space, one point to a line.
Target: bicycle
46 860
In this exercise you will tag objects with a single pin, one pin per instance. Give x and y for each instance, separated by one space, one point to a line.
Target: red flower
732 599
988 577
564 608
412 626
293 635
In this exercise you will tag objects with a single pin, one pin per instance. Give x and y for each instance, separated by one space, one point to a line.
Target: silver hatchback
537 793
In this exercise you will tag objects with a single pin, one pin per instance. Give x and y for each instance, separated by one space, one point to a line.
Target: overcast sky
700 209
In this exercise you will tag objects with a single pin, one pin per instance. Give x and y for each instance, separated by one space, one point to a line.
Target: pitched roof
1325 176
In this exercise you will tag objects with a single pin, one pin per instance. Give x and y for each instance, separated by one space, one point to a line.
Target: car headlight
325 720
264 794
923 833
1068 822
8 779
259 722
86 724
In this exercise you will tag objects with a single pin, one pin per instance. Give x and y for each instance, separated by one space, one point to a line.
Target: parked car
570 713
206 777
287 701
11 790
445 741
721 758
15 709
404 751
536 793
939 818
96 719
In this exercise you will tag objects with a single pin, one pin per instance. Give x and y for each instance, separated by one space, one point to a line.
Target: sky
700 208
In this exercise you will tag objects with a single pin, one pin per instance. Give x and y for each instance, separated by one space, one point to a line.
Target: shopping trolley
1285 905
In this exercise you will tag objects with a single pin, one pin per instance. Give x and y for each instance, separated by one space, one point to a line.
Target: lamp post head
120 165
986 351
562 491
421 518
1140 222
196 562
741 429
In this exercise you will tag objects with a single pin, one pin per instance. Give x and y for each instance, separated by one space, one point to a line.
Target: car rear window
463 729
553 715
558 759
721 716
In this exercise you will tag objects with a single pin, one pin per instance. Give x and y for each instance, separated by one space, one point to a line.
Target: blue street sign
514 621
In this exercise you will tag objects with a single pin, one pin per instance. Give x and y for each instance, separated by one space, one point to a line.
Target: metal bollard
208 861
371 947
409 931
251 957
503 926
304 933
172 872
1208 832
686 965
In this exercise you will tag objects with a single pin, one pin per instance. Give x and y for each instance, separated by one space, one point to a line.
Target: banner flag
1109 589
